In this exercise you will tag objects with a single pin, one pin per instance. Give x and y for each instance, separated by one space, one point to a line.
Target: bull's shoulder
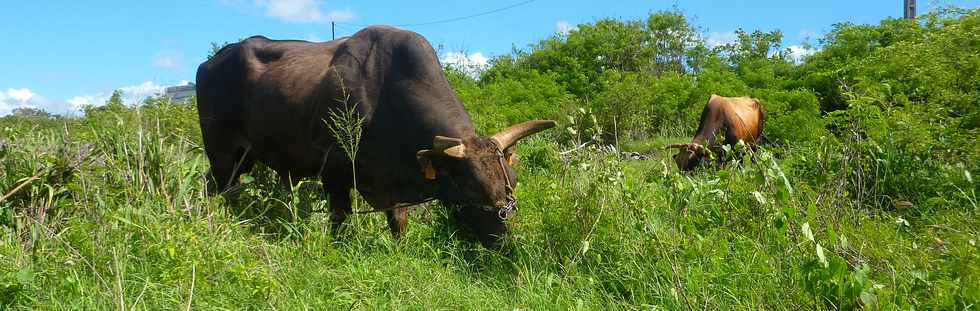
747 102
717 103
402 51
386 33
388 38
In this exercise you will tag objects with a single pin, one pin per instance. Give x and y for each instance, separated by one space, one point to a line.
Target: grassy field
116 218
865 197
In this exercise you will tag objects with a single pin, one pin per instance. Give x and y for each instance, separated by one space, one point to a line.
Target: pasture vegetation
865 196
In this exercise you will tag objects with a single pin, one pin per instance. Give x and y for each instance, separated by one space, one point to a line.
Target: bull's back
745 117
742 117
257 72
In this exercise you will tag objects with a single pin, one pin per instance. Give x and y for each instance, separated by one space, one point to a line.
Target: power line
454 19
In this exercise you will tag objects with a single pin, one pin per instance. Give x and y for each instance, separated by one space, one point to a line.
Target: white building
180 93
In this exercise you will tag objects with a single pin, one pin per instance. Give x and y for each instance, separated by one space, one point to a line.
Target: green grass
129 227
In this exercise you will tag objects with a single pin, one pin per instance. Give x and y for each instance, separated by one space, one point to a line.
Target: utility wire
449 20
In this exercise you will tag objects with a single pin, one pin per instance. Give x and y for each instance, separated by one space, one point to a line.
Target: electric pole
909 9
333 34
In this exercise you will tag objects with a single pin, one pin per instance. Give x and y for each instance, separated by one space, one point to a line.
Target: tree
115 101
32 113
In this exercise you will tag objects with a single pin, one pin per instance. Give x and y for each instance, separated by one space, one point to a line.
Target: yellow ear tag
430 173
510 160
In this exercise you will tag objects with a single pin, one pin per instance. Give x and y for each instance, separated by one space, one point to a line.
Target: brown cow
739 118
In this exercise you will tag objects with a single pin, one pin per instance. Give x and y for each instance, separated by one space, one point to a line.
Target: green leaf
821 256
25 276
831 234
811 210
868 299
806 231
759 197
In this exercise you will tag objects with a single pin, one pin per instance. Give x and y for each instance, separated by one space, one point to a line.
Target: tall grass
129 227
346 124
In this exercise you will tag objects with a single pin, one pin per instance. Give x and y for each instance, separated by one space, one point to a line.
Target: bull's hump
392 35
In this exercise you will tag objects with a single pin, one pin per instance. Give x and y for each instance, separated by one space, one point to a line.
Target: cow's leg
397 221
228 161
339 204
287 180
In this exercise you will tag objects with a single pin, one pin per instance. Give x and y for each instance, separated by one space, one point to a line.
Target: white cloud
12 99
136 93
471 64
303 11
78 102
716 39
23 94
168 60
562 27
313 38
183 83
799 53
132 94
341 15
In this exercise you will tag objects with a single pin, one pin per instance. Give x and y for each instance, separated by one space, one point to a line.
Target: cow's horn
452 147
516 132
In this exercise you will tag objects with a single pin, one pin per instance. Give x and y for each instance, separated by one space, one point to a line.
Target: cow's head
689 156
476 175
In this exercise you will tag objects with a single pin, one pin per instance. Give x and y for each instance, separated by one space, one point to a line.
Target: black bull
269 101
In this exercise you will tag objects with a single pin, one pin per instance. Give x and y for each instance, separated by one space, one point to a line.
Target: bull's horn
452 147
516 132
677 146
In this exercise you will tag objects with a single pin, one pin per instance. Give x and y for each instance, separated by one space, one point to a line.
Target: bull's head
689 156
476 175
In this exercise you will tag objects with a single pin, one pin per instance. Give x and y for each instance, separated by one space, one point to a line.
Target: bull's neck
698 139
461 128
706 134
711 121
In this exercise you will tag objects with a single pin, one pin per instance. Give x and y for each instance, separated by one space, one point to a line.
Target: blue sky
59 54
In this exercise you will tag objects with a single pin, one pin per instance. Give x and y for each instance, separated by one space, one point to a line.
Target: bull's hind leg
226 168
397 221
228 159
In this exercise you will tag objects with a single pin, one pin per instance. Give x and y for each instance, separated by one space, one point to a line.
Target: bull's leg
227 163
397 221
339 204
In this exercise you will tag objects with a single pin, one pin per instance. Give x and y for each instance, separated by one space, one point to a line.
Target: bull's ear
511 156
425 162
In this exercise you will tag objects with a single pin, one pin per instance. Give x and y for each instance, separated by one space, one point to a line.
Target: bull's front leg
397 221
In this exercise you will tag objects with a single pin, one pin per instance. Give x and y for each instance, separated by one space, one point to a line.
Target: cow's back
747 117
742 116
